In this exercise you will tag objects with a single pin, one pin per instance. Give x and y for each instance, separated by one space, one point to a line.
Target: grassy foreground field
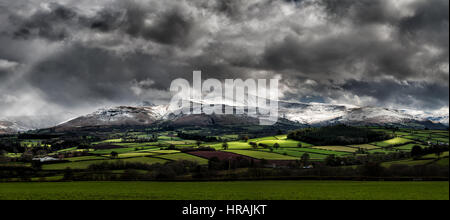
256 190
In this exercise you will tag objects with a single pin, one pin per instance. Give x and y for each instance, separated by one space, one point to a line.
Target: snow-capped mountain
439 119
25 123
318 114
439 116
123 115
7 127
312 114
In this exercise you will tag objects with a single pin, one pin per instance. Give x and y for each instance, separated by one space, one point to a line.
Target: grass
259 190
338 148
284 143
298 154
13 155
68 150
445 140
282 137
167 138
180 142
235 145
130 155
81 165
442 162
320 151
392 142
385 151
164 151
73 165
262 139
183 156
86 158
262 155
434 156
408 147
408 162
365 146
146 160
139 145
124 150
282 140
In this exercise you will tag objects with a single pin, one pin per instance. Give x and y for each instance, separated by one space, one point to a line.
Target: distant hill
7 127
307 114
290 113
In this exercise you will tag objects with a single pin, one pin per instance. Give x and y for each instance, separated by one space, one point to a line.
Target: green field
289 149
424 160
262 155
434 156
392 142
365 147
408 162
409 147
183 156
86 164
443 162
85 158
320 151
338 148
298 154
258 190
284 143
236 145
144 145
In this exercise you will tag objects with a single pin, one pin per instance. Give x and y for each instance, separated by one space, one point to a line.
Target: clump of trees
225 146
197 137
338 135
11 145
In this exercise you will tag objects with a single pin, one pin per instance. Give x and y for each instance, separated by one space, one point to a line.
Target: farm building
45 159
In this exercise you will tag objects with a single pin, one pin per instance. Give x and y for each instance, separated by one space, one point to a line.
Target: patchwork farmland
274 151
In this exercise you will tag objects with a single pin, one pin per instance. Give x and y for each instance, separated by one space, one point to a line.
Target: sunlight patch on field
365 146
236 145
394 141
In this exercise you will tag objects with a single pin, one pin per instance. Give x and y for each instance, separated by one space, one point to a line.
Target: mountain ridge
307 114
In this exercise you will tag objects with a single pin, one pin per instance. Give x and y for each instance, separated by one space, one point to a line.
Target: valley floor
239 190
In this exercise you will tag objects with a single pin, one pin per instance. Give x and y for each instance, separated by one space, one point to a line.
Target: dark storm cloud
424 94
84 75
172 27
398 56
361 11
428 25
50 25
392 53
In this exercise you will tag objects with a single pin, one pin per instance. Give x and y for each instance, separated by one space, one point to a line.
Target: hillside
308 114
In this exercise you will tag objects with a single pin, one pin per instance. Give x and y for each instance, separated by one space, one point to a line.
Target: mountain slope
123 115
313 114
7 127
324 114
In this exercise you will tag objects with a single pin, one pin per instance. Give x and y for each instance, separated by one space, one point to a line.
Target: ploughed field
252 190
271 149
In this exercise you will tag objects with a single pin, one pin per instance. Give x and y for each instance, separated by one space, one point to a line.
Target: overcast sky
74 56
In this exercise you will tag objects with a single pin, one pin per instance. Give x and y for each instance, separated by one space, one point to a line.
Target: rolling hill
306 114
